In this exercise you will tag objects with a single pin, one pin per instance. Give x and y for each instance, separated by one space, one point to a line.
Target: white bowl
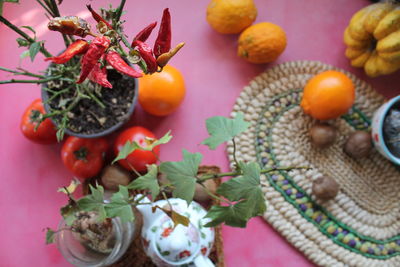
377 129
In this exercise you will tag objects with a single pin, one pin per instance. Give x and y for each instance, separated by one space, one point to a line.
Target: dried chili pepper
95 51
147 55
76 48
163 41
163 59
99 75
71 25
97 17
145 33
115 60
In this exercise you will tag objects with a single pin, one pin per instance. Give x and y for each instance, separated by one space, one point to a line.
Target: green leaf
222 129
34 49
119 206
151 143
71 188
148 181
94 202
246 187
68 212
182 174
230 215
50 236
22 42
29 28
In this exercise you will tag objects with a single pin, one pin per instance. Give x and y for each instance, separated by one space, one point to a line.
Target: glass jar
80 254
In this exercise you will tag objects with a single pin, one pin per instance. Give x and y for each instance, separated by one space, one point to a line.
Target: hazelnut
323 135
201 195
325 188
358 145
113 176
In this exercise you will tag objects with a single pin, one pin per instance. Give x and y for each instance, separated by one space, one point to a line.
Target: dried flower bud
71 25
102 27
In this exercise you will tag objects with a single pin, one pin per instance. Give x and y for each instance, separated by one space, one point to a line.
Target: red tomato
45 133
84 157
138 159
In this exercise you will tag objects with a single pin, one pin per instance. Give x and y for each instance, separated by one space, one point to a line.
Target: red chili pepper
99 75
147 54
95 51
97 17
76 48
163 41
145 33
115 60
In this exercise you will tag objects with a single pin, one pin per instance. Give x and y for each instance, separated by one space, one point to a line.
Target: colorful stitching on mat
340 233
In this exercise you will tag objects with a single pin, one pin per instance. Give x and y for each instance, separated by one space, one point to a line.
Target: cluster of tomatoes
85 157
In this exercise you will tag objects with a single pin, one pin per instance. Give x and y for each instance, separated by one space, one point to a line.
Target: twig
205 177
46 8
23 34
120 9
23 72
30 81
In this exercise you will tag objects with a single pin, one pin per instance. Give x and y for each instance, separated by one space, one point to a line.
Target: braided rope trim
304 234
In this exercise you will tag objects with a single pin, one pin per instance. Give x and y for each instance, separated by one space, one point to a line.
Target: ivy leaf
230 215
34 49
246 188
148 181
151 143
182 174
50 236
119 206
71 188
222 129
94 202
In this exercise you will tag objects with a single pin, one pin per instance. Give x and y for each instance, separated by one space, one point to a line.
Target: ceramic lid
176 244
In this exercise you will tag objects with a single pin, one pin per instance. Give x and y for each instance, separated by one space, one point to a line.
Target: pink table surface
214 77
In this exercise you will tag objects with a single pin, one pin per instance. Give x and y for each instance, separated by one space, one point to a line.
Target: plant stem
120 9
94 97
133 169
205 177
23 34
214 195
234 153
30 81
46 8
26 73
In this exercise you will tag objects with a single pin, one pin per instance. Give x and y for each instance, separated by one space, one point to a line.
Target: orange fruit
262 43
328 95
231 16
161 93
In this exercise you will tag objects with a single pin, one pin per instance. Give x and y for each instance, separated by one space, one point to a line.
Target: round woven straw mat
361 226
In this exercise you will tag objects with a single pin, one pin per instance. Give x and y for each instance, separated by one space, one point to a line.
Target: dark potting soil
88 117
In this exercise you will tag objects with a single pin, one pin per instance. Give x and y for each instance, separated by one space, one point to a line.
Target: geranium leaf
127 149
119 206
148 181
94 202
151 143
182 174
230 215
222 129
246 188
50 236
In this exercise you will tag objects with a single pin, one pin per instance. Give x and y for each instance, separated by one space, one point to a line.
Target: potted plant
240 198
90 89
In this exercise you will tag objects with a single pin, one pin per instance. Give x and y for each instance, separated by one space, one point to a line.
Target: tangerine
262 43
328 95
162 93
